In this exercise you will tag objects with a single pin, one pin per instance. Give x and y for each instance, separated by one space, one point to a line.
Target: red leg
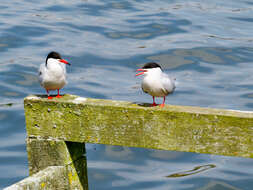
162 105
154 104
58 95
48 95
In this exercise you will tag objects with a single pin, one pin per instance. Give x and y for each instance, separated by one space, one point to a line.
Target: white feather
156 83
53 75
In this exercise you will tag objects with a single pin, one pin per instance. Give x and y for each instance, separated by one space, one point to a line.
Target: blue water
206 45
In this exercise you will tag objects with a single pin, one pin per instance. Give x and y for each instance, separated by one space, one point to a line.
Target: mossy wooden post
44 151
51 178
179 128
57 130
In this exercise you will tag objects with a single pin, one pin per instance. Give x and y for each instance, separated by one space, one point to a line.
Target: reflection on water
6 105
137 168
119 152
28 80
181 57
195 170
206 45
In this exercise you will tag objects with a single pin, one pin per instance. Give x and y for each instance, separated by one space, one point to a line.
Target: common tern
155 82
52 73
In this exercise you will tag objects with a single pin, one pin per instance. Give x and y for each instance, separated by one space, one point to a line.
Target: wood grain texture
44 153
53 177
178 128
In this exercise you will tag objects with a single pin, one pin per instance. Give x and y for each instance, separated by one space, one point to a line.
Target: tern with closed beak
52 73
155 82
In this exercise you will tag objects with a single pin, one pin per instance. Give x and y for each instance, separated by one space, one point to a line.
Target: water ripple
206 45
194 171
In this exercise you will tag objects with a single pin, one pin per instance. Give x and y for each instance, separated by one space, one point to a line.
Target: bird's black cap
151 65
54 55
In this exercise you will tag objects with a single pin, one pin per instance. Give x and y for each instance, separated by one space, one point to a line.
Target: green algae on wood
43 153
53 177
179 128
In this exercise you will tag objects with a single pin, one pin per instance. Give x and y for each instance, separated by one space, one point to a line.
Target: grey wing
168 83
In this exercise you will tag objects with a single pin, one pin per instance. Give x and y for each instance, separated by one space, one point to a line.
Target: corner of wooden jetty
58 129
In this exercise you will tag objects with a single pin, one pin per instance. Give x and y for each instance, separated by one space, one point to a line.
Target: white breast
157 84
52 76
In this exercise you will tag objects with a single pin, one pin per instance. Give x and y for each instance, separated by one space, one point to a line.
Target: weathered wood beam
53 177
179 128
43 153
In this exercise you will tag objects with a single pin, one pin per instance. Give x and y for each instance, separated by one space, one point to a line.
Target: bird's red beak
142 72
64 61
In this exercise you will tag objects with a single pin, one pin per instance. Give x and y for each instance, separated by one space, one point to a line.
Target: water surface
206 45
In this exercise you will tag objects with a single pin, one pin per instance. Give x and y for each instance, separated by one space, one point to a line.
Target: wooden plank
71 155
53 177
178 128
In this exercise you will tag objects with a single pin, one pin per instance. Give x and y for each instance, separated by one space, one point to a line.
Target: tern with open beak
52 73
155 82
